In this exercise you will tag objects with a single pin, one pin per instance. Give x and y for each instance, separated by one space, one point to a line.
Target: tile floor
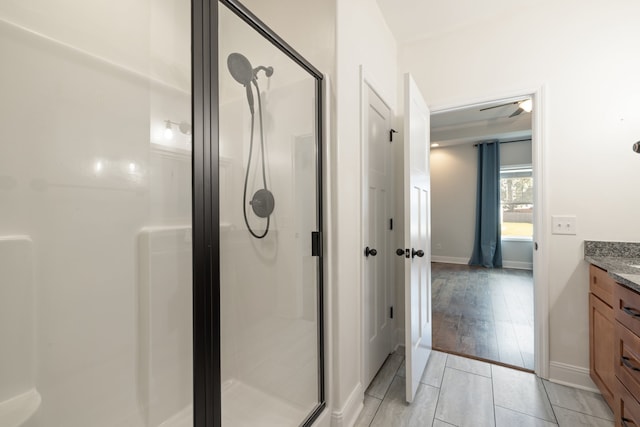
456 391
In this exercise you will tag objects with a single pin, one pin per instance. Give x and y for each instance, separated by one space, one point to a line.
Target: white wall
453 192
516 153
585 56
362 39
453 201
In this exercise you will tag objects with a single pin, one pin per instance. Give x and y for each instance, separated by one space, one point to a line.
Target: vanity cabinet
601 332
627 407
626 348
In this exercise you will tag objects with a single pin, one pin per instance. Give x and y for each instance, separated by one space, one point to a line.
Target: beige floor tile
508 418
466 400
578 400
382 380
395 411
568 418
469 365
371 405
521 392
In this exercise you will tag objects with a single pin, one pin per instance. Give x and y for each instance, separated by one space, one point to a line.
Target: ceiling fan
524 105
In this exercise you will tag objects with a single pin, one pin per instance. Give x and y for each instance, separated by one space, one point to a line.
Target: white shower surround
81 181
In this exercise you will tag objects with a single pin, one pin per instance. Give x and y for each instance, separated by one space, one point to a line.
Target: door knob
400 252
419 253
370 251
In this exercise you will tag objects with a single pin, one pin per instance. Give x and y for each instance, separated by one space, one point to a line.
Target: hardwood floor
483 313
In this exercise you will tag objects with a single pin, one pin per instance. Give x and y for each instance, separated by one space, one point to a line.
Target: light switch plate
563 224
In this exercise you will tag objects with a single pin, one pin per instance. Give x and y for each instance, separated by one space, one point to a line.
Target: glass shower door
270 278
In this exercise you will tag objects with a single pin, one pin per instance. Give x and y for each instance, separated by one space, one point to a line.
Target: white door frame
366 81
540 256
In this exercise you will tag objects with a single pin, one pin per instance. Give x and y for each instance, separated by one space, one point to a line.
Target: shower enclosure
270 221
160 218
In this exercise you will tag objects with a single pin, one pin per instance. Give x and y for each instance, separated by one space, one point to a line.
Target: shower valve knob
419 253
370 251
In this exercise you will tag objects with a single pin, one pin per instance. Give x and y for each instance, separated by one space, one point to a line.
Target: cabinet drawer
627 308
627 358
627 409
601 285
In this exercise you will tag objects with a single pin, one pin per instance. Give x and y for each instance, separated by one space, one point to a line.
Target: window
516 201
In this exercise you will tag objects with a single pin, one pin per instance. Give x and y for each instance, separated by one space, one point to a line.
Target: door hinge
391 312
316 243
390 223
391 132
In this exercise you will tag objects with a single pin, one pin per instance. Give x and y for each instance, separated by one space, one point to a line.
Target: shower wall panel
85 169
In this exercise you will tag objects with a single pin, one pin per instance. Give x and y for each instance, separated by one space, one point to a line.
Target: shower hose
264 176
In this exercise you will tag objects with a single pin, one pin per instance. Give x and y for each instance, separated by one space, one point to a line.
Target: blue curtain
487 248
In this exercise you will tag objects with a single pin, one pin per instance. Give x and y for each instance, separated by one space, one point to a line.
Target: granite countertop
620 259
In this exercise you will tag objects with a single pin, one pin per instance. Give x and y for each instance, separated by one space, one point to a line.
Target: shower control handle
419 253
370 251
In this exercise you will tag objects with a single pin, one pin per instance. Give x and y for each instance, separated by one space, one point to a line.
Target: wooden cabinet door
601 340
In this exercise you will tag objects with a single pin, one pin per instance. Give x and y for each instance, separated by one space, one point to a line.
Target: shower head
242 71
240 68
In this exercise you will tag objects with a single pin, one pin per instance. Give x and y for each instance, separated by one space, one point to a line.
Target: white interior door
417 236
377 205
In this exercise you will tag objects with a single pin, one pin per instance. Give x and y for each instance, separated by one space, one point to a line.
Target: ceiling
411 20
470 125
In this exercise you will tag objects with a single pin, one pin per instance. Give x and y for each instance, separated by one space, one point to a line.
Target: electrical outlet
563 224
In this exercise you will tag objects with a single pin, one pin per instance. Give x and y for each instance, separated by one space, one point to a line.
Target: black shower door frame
207 393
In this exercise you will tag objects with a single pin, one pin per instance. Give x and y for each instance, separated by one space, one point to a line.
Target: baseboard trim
570 375
348 414
449 259
518 265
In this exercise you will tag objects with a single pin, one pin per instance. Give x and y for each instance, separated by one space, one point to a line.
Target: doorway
485 313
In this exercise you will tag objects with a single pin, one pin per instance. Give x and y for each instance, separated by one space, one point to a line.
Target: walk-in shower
148 275
262 201
270 223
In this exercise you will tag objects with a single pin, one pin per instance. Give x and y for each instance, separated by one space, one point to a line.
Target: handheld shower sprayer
262 202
